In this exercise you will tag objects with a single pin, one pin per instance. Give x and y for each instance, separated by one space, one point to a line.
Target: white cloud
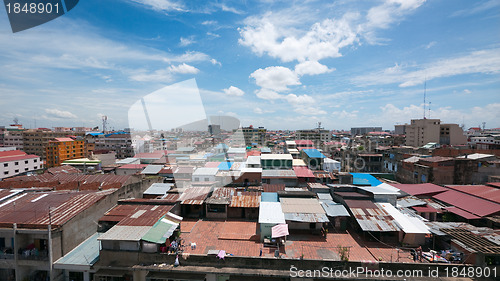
215 35
430 45
215 62
345 114
209 22
226 8
186 41
276 78
484 61
473 116
467 91
162 5
233 91
59 114
160 75
311 68
267 94
323 40
183 69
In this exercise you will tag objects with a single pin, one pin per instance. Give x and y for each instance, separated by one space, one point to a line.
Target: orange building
60 149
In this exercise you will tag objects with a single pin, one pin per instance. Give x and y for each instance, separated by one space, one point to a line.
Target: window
16 163
6 172
207 179
16 171
26 162
6 164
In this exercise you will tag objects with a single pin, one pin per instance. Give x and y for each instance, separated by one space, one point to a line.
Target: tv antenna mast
104 123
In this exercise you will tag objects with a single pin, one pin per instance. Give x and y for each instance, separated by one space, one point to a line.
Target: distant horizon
282 65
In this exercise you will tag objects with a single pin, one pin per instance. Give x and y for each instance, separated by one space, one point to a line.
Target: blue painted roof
225 166
269 197
313 153
95 133
364 179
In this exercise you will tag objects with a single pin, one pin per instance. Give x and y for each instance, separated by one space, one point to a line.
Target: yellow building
60 149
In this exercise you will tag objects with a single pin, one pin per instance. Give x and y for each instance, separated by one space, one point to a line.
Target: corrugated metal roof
462 213
420 189
406 223
301 205
370 217
125 233
324 196
483 191
226 192
160 231
195 193
245 201
144 215
205 172
271 213
273 187
278 174
410 202
31 210
469 203
303 217
85 255
269 197
333 209
152 169
303 172
159 188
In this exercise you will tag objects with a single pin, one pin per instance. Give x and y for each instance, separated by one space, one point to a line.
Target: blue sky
278 64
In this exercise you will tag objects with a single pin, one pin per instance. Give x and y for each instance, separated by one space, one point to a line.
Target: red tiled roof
469 203
420 189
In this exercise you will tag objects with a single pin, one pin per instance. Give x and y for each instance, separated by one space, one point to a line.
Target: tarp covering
279 230
160 231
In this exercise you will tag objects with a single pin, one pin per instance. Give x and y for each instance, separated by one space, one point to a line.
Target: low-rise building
15 162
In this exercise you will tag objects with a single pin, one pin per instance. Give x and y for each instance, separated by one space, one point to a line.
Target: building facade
60 149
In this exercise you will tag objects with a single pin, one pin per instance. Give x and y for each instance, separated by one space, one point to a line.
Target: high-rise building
423 131
60 149
254 135
35 141
317 135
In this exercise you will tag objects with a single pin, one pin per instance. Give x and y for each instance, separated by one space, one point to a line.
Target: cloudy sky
278 64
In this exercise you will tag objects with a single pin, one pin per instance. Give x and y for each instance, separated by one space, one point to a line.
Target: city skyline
278 65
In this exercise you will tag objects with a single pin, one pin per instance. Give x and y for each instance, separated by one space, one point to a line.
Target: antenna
429 110
104 122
